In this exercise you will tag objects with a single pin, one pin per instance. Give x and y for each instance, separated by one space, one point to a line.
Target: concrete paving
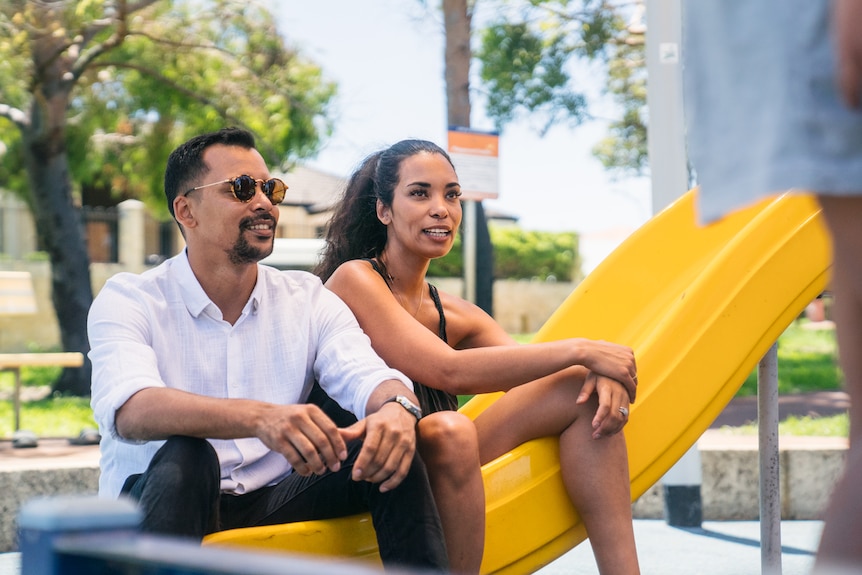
716 548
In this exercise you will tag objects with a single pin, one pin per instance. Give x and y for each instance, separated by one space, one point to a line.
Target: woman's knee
448 438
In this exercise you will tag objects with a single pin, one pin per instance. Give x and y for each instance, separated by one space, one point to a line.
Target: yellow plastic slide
699 305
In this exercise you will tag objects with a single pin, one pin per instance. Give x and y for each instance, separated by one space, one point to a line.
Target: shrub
521 254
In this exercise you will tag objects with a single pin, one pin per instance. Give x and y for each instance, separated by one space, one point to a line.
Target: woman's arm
487 359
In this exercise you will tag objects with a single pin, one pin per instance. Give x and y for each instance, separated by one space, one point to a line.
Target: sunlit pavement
716 548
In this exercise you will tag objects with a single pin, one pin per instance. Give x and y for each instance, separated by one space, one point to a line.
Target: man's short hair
185 164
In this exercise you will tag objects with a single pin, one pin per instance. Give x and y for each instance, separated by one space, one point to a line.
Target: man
201 369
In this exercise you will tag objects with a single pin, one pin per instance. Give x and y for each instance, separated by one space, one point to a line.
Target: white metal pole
770 492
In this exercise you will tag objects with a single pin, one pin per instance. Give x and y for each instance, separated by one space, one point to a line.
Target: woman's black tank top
430 399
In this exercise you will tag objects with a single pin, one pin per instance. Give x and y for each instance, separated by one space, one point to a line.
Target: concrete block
812 475
809 469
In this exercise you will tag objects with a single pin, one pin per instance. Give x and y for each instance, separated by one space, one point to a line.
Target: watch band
411 407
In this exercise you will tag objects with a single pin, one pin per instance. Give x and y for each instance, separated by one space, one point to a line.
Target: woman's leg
595 471
448 445
842 531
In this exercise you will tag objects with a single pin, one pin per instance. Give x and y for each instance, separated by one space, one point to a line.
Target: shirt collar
195 298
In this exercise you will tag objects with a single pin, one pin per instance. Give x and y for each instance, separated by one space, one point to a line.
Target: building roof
315 190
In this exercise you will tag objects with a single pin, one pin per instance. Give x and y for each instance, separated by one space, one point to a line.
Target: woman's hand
613 361
613 411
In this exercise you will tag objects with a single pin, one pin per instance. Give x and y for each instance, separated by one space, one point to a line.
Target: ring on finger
624 411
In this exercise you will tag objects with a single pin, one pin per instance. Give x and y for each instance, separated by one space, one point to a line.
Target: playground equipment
699 305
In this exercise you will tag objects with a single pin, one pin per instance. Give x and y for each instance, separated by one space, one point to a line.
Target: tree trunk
458 24
58 224
59 228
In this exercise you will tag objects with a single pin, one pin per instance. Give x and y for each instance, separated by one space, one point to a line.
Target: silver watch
414 409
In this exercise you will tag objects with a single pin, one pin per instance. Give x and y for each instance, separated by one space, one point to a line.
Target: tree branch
16 116
154 74
124 10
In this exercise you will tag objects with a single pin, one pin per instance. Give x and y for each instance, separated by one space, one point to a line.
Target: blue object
41 522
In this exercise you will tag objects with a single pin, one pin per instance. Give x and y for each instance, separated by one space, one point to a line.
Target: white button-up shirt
159 329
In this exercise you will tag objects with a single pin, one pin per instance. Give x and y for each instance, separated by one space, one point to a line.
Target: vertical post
683 504
770 491
669 174
469 246
131 232
665 144
16 398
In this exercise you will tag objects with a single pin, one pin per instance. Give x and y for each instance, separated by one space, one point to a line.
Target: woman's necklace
418 307
398 297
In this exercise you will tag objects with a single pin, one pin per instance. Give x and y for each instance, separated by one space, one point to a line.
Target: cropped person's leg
842 530
178 493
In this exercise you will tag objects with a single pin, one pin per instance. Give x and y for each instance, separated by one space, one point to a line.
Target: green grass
830 426
50 417
807 361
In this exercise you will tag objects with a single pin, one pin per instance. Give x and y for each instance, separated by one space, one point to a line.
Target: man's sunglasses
244 188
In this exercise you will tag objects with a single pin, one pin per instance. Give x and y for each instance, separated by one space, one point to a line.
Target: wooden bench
15 361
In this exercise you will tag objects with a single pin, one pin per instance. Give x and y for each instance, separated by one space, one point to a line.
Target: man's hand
613 399
307 438
388 447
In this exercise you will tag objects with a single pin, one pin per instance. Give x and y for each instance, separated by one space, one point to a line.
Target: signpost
475 155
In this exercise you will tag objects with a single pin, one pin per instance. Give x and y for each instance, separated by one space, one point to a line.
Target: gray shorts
763 112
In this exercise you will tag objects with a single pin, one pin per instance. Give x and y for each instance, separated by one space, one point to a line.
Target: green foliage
524 69
520 254
807 361
624 149
183 67
527 54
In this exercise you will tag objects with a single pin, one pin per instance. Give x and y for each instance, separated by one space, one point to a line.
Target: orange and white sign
476 158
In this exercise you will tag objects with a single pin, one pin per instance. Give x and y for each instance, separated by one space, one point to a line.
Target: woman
401 209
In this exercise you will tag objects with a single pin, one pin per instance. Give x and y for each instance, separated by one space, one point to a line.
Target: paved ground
742 410
717 548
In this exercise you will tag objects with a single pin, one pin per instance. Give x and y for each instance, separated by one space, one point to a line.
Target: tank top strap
441 328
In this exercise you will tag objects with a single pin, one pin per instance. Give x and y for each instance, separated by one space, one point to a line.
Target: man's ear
384 213
183 212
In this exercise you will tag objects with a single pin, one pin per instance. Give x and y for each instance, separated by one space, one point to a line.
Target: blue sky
387 57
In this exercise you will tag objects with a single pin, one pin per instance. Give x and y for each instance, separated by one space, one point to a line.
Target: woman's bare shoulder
350 272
